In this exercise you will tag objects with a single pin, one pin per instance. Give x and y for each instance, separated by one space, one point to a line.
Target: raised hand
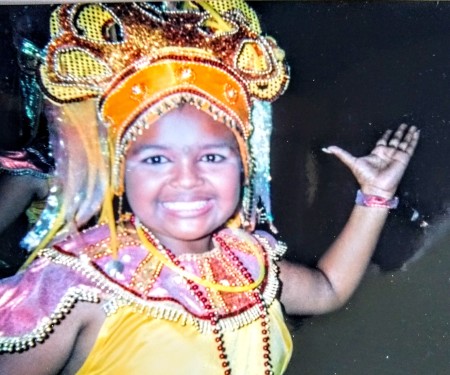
380 172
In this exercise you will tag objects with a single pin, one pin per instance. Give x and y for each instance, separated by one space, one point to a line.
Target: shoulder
273 246
80 242
265 253
33 302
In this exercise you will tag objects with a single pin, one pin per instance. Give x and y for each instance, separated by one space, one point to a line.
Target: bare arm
64 351
339 271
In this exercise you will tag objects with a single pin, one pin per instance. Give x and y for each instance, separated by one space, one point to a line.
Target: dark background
359 68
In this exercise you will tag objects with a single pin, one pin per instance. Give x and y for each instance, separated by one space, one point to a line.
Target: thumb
344 156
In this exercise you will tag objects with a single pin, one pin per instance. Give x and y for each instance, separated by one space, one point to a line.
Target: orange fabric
150 84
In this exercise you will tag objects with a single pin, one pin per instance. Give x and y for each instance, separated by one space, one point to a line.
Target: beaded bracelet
375 200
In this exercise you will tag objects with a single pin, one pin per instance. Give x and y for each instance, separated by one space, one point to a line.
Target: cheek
232 186
133 189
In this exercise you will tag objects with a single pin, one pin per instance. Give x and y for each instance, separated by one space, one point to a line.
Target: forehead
185 125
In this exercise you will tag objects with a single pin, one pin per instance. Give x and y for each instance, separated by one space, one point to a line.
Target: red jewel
225 364
264 331
228 372
221 348
222 356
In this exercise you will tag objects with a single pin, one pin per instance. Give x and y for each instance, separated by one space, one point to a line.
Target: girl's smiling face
183 178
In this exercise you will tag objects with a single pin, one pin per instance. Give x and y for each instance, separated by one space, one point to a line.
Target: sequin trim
46 326
117 296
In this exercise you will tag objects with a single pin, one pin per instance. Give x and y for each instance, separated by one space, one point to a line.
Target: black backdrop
359 68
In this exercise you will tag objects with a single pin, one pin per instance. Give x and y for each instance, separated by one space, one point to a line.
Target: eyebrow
144 147
149 146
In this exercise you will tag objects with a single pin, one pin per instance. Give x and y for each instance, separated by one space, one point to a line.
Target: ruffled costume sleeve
33 301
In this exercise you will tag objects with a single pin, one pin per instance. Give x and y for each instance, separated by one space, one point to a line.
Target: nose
187 175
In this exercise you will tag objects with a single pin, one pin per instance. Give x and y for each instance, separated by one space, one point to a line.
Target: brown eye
212 158
157 159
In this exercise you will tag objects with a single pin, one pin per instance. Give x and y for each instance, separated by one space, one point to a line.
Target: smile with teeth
185 206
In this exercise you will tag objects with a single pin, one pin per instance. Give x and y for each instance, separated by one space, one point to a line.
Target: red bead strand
260 301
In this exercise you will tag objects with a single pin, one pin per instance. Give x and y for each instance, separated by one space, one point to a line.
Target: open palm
380 172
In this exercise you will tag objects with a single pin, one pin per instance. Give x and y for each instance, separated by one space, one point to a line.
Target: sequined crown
144 57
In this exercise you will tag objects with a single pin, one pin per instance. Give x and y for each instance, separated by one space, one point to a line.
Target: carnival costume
111 71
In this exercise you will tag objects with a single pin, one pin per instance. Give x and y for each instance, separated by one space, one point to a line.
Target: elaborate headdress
113 70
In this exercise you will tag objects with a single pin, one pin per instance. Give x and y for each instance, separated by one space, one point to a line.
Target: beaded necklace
168 258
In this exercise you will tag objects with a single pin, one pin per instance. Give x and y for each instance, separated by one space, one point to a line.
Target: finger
344 156
384 138
398 136
394 142
413 142
408 138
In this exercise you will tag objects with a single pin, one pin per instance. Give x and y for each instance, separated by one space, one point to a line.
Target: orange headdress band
165 84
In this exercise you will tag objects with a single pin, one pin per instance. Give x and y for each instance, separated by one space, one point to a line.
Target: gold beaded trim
46 326
116 296
275 253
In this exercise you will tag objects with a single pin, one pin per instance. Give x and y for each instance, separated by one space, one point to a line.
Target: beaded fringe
46 326
116 296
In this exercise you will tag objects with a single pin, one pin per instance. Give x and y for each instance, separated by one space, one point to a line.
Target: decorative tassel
259 190
107 214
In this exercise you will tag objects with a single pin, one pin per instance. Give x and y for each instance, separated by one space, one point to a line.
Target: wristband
375 200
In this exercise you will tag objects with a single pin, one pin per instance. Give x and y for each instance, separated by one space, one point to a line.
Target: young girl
183 282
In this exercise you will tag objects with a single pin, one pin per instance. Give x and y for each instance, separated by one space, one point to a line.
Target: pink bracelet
375 200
